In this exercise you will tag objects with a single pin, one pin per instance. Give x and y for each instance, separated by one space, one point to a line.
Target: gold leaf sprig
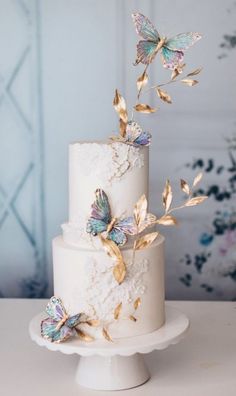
136 305
119 271
119 104
117 311
106 335
145 241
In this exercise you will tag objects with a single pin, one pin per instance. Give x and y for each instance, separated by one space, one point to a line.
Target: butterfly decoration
172 49
59 326
134 135
101 221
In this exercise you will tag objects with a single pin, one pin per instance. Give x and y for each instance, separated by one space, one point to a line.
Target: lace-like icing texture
102 293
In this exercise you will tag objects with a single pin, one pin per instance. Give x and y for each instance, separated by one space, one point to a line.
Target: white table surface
202 364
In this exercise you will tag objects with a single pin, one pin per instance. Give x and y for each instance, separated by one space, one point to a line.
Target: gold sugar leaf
167 220
84 336
123 126
189 82
163 95
119 272
142 81
167 196
111 248
184 186
117 311
93 322
145 241
120 107
197 179
132 317
140 210
195 72
196 200
177 71
137 303
144 108
106 335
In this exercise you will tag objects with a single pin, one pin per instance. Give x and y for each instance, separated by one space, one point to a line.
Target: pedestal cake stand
105 365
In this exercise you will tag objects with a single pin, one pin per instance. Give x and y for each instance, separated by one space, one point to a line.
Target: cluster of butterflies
116 229
172 54
58 327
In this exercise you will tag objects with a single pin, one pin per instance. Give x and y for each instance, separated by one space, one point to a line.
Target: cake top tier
120 170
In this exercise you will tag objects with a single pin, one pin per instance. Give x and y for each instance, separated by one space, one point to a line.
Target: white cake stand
105 365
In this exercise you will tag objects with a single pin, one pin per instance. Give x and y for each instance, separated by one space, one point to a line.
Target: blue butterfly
172 49
134 135
101 221
59 326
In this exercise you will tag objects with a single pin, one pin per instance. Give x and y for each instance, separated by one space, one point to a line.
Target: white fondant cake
83 271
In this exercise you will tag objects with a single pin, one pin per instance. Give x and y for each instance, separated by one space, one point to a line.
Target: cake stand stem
112 373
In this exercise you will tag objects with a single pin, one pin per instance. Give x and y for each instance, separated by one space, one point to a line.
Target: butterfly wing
117 236
74 320
171 59
50 331
100 215
55 309
144 139
126 225
182 41
146 52
145 28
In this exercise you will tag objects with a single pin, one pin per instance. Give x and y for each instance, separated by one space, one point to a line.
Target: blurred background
60 63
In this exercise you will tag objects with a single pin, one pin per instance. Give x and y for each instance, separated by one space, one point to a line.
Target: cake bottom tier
84 281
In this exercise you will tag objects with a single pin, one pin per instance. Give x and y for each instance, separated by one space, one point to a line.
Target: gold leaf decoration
93 322
142 81
196 200
106 335
184 186
120 107
123 126
117 311
132 317
137 303
84 336
111 248
167 196
163 95
167 220
197 179
195 72
189 82
144 108
140 210
145 241
119 272
177 71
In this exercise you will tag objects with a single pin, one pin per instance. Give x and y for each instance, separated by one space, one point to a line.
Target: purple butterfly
101 221
134 135
59 326
172 49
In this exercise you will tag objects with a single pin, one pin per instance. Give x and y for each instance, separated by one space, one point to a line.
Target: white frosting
119 169
84 280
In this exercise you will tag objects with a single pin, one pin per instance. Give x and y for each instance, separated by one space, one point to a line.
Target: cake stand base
116 365
112 373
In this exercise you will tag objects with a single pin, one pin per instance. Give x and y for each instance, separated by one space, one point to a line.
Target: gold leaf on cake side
145 241
137 303
106 335
117 311
132 317
84 336
140 210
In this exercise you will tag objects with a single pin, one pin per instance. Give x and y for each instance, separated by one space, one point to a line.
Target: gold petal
140 210
189 82
195 72
163 95
167 220
93 322
167 196
123 126
196 200
132 317
120 106
117 311
142 81
84 336
144 108
137 303
145 241
197 179
106 335
119 272
111 248
184 186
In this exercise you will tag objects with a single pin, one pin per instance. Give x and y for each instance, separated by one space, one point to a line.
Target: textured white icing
120 170
84 280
